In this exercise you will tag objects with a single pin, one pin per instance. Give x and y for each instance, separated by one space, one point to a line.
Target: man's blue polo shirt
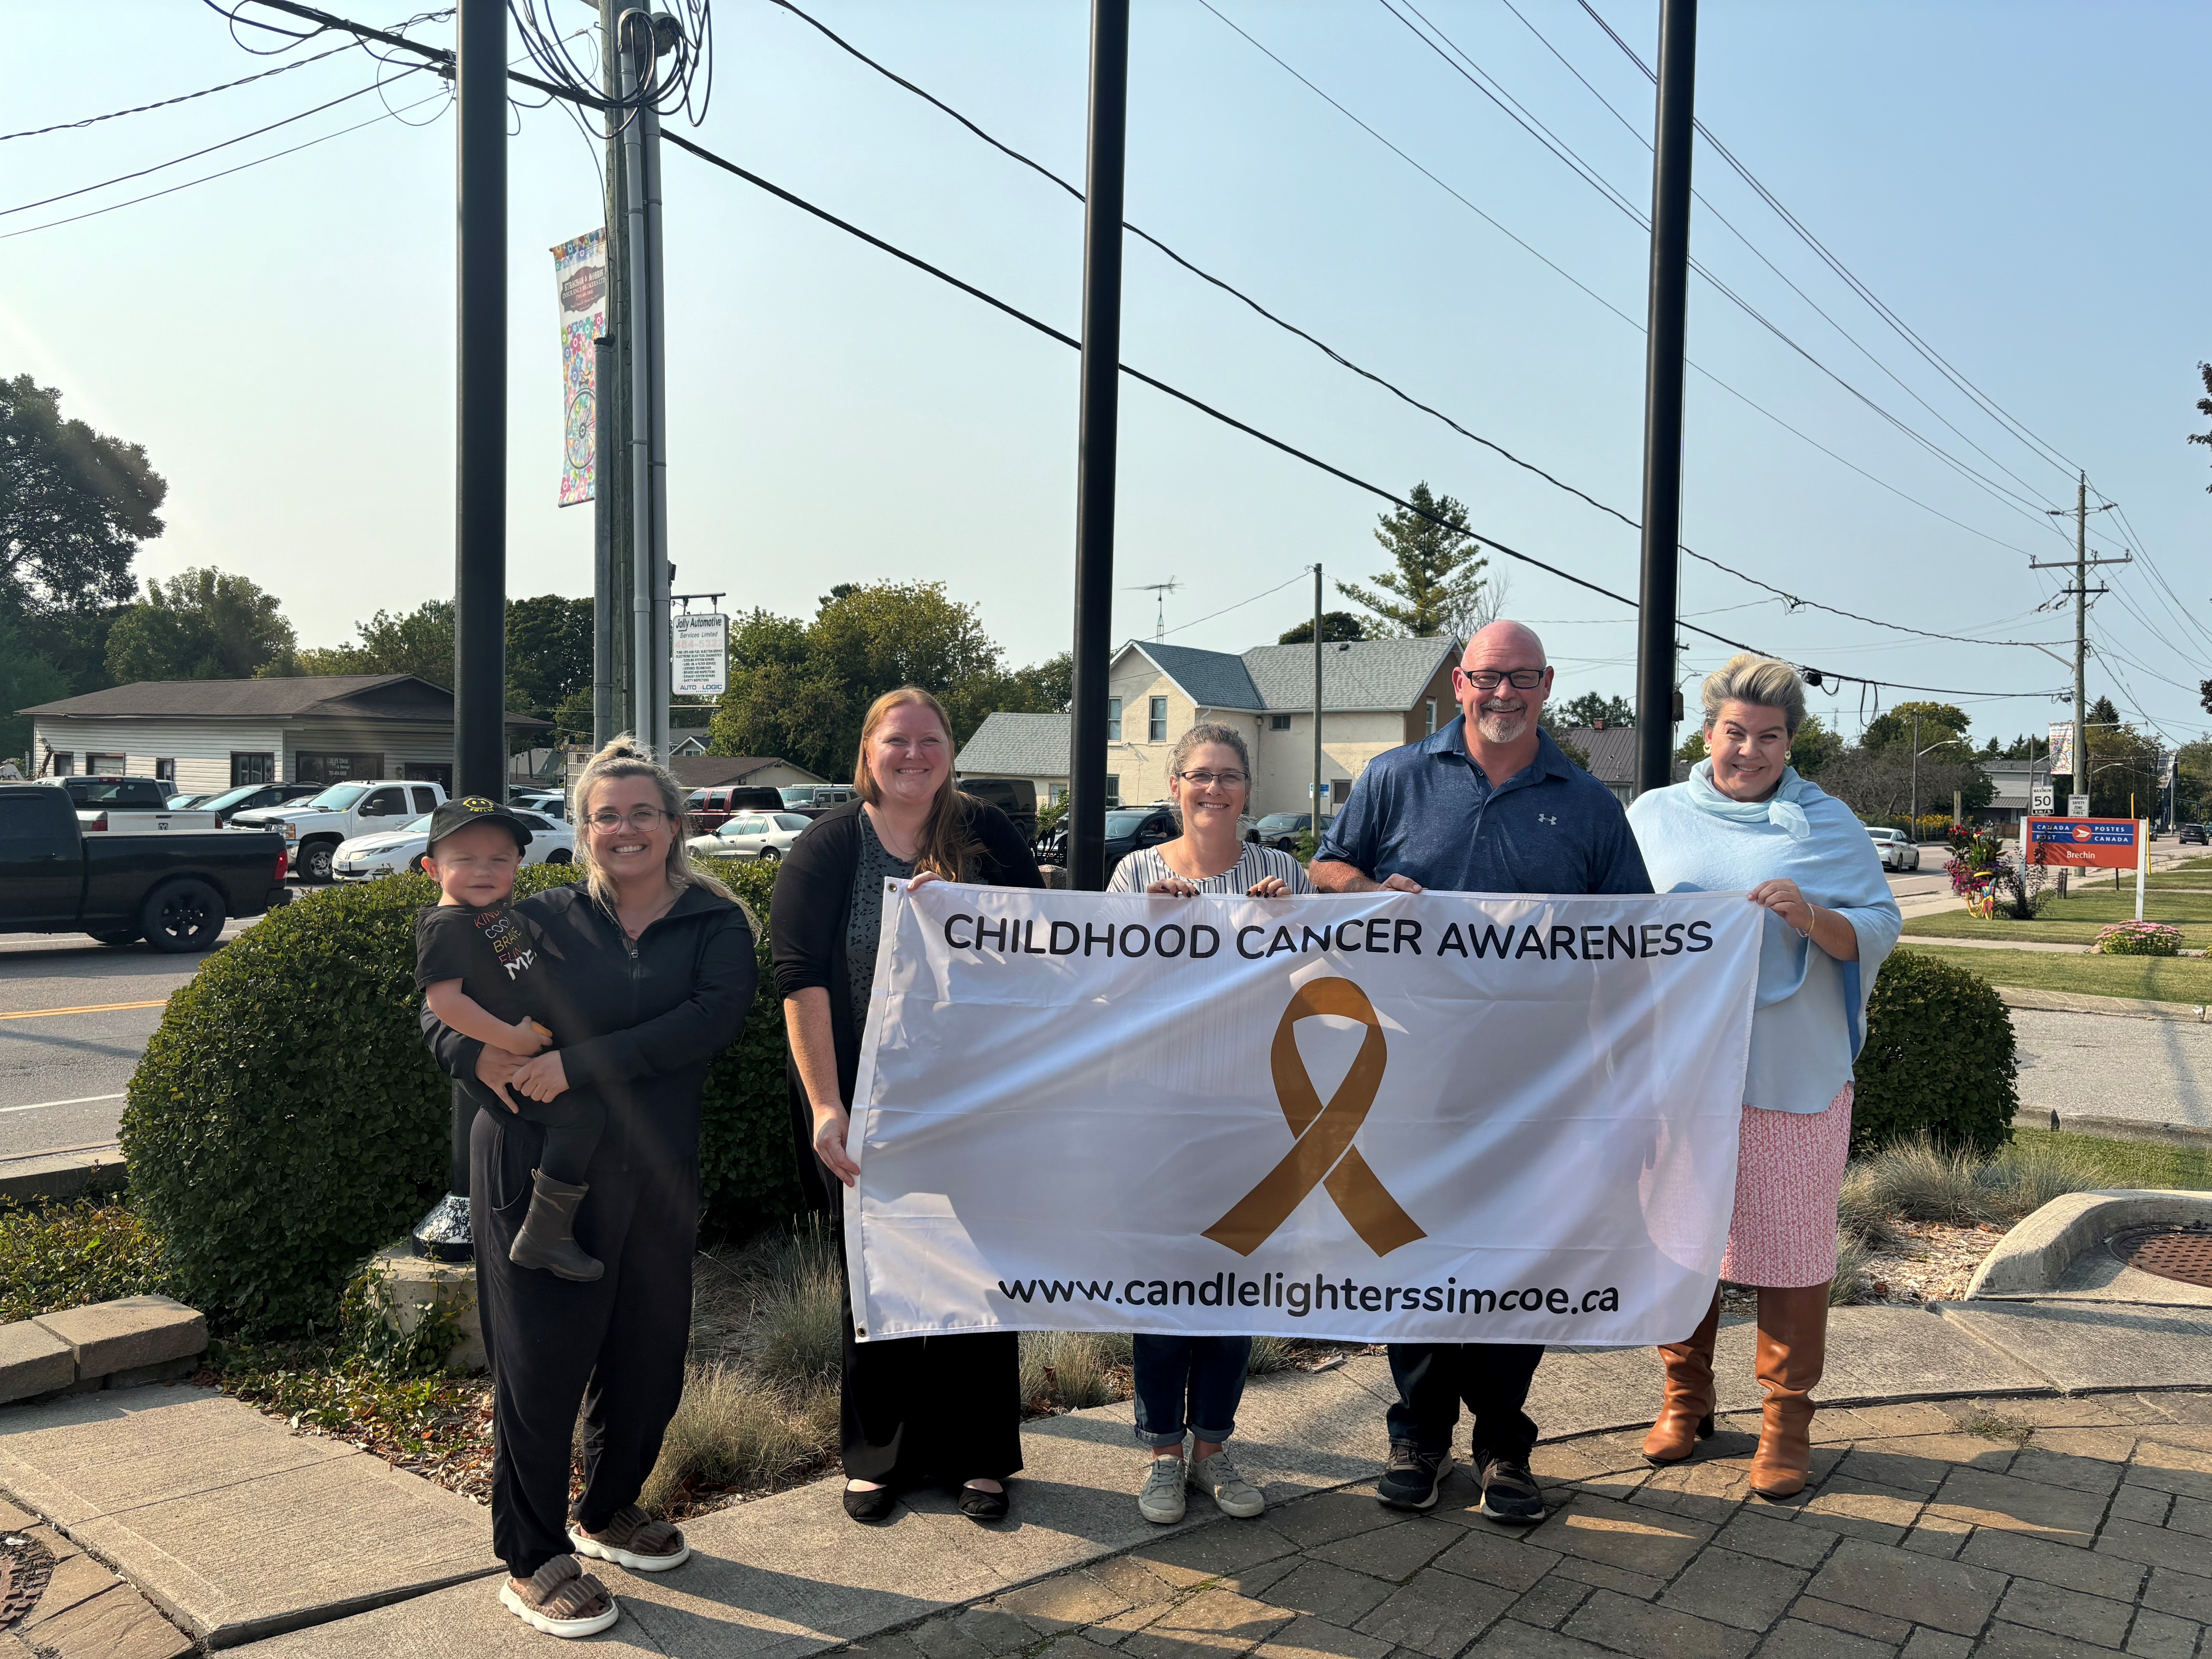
1426 812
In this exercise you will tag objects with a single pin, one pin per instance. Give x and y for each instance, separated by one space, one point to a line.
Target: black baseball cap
475 809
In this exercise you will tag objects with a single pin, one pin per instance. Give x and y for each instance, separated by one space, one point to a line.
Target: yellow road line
92 1008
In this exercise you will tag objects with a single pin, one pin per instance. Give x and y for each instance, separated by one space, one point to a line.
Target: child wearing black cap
479 966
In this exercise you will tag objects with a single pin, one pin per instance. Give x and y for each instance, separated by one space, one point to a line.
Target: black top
637 1021
493 951
807 923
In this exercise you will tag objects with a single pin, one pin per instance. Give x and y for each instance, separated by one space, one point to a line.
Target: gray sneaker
1232 1492
1161 1499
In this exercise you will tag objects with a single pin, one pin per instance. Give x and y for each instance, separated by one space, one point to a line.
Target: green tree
1042 688
549 654
2205 407
1437 585
1336 626
418 641
27 678
2124 773
1813 746
1590 708
1892 728
203 624
75 507
2192 793
1692 747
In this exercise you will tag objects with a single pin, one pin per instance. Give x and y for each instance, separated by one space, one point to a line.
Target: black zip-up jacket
638 1022
807 929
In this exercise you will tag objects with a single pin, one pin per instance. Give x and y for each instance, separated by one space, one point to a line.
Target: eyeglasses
1488 679
642 817
1207 780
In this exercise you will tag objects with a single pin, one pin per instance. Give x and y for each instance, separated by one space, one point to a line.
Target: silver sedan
763 835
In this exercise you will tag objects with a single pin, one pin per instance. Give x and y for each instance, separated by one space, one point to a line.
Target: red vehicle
706 811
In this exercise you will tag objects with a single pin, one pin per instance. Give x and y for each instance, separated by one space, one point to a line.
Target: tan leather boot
1793 1349
1685 1414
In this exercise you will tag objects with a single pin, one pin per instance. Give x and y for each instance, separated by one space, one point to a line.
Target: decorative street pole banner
702 665
580 271
1441 1117
2062 748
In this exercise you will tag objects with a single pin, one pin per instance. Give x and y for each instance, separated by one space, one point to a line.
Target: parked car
706 811
247 797
127 807
174 891
2192 834
1129 829
1015 797
392 852
763 835
551 803
814 800
1281 830
178 803
1898 851
314 829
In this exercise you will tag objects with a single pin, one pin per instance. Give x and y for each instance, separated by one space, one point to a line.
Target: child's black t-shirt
493 951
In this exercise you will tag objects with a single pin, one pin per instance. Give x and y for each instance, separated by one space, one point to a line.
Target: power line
1575 282
1793 600
1239 606
437 55
94 213
1935 359
193 155
1620 200
1488 542
182 97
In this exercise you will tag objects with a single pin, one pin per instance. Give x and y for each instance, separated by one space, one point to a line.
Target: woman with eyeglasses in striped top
1191 1385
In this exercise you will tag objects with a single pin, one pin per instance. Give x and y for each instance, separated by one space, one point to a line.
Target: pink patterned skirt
1789 1171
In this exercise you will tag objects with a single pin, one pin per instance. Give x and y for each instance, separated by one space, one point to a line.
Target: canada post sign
2084 843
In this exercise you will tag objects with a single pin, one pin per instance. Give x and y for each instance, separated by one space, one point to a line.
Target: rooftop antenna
1161 590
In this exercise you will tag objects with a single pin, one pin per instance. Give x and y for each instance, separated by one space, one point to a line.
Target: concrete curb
122 1344
2076 1002
64 1173
2141 1130
2035 1255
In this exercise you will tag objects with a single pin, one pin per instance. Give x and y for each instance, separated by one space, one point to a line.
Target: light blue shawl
1811 1016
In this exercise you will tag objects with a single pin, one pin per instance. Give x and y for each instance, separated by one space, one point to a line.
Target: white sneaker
1161 1499
1233 1495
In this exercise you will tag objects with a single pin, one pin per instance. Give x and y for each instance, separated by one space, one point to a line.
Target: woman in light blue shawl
1747 822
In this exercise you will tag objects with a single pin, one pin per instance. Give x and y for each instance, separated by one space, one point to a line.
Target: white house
207 735
1376 696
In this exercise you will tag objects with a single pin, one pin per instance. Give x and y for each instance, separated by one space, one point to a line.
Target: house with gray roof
208 735
1376 695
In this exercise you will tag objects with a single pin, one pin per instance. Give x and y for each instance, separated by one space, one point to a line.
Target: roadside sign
2080 843
2077 806
2040 798
702 668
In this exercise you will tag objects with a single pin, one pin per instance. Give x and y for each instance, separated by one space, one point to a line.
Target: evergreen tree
1437 586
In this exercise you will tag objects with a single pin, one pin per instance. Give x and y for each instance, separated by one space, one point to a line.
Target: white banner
702 665
1441 1117
580 275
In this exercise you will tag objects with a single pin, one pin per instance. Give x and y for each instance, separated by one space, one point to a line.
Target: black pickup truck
174 890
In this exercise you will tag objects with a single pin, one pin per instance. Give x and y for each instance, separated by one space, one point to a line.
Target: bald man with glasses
1487 805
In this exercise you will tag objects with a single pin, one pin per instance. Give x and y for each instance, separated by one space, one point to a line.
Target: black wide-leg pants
616 1346
922 1409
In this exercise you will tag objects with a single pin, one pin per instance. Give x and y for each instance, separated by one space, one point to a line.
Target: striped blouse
1141 868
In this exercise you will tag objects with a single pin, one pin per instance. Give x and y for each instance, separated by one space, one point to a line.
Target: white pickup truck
313 828
127 807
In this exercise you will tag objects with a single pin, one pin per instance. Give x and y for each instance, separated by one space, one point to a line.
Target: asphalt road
67 1049
2152 1071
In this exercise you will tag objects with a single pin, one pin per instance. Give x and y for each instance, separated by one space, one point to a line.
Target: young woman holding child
651 974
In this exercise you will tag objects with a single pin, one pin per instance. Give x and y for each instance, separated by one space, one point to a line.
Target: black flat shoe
981 1506
876 1505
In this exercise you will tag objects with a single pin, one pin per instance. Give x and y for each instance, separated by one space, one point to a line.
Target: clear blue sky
2019 182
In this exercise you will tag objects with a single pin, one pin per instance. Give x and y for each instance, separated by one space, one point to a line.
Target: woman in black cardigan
924 1408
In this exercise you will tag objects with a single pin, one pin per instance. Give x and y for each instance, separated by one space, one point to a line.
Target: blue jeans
1189 1384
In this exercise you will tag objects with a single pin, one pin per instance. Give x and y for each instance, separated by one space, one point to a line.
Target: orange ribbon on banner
1323 1155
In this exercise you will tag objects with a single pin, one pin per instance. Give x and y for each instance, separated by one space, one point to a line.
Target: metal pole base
443 1235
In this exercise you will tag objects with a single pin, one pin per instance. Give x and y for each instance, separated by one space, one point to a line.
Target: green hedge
1939 1059
286 1119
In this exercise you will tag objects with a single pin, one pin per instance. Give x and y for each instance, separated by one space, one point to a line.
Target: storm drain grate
2182 1254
